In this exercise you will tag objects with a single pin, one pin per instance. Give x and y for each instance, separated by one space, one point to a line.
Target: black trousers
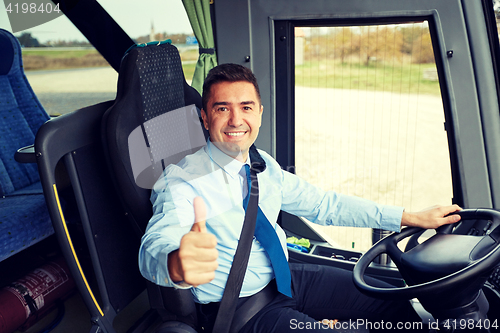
322 292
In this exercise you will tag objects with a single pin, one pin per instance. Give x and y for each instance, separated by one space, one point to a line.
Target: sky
135 17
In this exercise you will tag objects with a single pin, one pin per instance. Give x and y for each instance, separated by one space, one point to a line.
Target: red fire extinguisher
34 293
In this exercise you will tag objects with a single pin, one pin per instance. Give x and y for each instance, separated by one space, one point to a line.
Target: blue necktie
267 236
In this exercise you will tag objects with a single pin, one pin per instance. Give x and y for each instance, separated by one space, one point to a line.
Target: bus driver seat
154 106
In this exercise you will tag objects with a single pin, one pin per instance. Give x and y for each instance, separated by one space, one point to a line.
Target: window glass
496 9
146 21
369 118
67 73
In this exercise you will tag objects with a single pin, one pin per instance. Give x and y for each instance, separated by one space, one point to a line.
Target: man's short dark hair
227 73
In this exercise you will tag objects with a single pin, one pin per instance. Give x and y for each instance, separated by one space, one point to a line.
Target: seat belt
240 261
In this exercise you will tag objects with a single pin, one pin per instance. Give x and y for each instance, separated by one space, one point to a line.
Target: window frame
285 85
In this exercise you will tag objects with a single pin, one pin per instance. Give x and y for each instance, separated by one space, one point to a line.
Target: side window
67 73
369 118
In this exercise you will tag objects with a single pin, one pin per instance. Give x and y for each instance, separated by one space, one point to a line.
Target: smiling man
232 113
199 209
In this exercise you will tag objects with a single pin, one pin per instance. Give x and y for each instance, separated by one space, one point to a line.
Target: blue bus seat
24 218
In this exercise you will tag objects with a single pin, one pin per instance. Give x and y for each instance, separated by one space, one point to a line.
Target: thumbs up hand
195 261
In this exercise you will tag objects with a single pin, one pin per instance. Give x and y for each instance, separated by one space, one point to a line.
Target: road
389 147
63 91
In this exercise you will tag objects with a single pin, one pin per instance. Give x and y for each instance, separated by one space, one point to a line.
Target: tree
26 40
343 43
381 42
422 52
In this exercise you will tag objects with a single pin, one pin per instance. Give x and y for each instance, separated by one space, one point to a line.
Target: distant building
299 46
152 33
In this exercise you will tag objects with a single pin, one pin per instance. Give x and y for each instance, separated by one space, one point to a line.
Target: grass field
46 59
319 74
188 69
59 54
374 77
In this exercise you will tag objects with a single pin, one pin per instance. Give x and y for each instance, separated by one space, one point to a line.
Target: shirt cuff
391 218
180 285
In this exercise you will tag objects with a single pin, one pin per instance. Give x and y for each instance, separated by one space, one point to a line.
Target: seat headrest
9 47
153 77
167 129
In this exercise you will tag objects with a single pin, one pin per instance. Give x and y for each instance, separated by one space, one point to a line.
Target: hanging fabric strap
206 51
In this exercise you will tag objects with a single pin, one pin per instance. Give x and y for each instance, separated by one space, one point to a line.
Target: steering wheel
442 262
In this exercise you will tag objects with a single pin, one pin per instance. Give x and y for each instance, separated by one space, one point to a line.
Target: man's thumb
200 215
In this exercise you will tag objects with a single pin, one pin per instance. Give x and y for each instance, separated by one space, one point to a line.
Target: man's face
233 117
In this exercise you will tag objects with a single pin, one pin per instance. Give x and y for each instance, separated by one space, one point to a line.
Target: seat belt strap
240 261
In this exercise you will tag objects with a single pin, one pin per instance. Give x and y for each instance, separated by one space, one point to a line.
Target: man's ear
260 114
205 120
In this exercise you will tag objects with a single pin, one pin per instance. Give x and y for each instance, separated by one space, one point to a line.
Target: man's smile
235 134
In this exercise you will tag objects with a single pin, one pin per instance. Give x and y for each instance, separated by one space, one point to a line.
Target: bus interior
396 101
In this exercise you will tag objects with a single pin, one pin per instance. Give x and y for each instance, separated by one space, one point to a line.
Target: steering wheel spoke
393 251
446 229
392 247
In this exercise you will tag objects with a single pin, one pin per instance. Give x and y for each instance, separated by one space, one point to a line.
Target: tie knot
245 173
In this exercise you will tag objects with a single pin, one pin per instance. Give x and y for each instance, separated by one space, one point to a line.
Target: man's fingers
453 218
199 227
197 252
199 240
431 218
200 215
449 216
199 278
451 209
199 263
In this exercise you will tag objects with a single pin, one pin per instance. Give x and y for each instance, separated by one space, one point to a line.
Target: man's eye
222 108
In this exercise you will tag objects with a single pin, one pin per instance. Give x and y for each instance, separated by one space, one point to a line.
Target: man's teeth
235 133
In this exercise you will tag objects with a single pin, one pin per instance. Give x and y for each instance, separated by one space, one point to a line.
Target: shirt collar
230 165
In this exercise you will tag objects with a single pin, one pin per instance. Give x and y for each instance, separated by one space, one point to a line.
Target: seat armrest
25 155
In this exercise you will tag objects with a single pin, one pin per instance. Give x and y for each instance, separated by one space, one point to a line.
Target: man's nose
235 118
